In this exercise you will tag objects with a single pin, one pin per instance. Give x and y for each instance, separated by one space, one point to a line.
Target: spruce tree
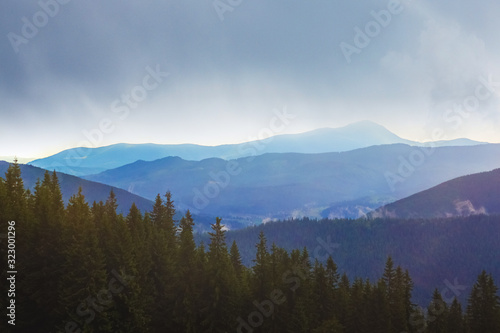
186 310
483 309
399 301
141 243
162 217
357 311
16 203
407 296
83 271
333 277
455 322
437 316
342 298
164 277
158 215
378 309
128 313
221 310
321 295
261 269
236 260
45 254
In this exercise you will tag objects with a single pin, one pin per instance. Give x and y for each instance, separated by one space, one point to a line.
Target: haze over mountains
291 184
326 173
86 161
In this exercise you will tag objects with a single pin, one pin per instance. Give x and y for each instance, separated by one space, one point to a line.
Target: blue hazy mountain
468 195
291 184
86 161
91 190
94 191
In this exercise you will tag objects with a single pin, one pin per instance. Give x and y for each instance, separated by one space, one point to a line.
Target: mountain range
327 173
270 186
85 161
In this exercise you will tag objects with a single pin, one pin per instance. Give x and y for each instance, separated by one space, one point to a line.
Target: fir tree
261 269
437 314
483 309
16 200
455 320
222 283
236 260
187 302
83 269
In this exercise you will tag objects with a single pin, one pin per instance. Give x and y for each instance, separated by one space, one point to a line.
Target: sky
93 73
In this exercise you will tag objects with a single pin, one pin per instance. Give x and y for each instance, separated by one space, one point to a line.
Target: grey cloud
269 53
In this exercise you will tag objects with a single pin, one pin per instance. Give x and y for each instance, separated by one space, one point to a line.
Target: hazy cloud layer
79 63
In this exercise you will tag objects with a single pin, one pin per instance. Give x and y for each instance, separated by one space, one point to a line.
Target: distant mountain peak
357 135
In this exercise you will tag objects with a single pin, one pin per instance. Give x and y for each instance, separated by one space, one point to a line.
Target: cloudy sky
95 73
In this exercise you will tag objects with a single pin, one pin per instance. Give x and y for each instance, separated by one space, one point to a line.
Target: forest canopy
85 268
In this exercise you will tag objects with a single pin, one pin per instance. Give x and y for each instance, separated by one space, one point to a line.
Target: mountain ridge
471 194
86 161
282 185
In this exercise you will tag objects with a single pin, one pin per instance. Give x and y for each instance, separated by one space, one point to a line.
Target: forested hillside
436 252
86 268
474 194
70 185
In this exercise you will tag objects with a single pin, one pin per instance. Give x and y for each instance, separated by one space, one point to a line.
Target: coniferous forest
82 267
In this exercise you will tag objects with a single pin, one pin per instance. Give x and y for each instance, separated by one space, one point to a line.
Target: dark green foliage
222 286
483 310
90 269
437 314
455 323
431 250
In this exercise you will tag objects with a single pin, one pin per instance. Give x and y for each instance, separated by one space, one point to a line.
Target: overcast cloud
225 77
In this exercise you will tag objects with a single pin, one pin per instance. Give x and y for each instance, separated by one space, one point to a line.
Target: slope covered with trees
91 190
478 193
86 268
437 252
